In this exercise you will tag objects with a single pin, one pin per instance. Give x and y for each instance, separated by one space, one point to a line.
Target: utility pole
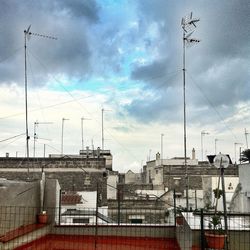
63 120
188 25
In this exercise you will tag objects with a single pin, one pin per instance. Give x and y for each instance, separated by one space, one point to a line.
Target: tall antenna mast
82 119
27 35
103 110
36 123
188 25
246 133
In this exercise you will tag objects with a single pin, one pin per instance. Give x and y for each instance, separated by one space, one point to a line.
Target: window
136 221
81 220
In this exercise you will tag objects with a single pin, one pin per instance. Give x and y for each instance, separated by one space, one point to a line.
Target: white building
241 198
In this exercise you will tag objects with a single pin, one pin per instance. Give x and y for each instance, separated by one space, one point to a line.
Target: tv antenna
103 110
82 119
188 25
27 35
36 123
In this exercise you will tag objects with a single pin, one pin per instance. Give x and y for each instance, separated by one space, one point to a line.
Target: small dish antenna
221 161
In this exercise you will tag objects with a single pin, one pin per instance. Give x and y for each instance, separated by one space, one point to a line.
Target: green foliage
215 224
217 193
245 156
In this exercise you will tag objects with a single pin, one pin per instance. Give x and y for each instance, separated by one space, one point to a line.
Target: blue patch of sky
118 14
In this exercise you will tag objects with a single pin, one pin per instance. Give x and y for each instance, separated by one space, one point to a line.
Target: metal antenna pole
63 119
103 110
102 131
35 135
82 132
82 119
161 148
26 32
235 145
246 133
215 145
203 133
186 24
184 115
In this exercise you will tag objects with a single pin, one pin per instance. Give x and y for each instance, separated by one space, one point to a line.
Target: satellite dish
221 160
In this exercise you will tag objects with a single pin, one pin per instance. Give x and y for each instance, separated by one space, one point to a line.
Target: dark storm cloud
219 65
79 8
69 21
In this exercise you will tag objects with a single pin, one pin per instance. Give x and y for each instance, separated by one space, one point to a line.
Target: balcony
91 230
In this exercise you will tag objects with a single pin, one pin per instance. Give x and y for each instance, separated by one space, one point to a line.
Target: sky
125 56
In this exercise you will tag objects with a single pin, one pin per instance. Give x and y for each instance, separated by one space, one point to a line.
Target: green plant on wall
217 193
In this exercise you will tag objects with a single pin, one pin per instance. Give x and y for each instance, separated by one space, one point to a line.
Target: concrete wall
38 163
131 177
127 231
112 186
19 204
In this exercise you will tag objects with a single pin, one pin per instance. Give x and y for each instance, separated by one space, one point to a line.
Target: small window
136 221
81 220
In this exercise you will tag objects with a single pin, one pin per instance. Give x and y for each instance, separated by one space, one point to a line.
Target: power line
214 108
12 137
12 54
46 107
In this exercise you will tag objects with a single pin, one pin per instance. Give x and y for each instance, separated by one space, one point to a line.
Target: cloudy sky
125 56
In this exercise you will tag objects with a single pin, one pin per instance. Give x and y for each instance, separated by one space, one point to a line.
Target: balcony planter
215 241
43 218
216 236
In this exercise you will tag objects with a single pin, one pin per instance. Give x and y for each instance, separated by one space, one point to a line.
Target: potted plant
216 235
43 217
217 193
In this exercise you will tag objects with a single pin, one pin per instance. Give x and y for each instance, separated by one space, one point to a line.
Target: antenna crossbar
44 36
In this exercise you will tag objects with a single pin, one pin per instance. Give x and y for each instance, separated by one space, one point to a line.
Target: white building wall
112 186
230 186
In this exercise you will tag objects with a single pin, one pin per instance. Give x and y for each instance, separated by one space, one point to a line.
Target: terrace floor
72 242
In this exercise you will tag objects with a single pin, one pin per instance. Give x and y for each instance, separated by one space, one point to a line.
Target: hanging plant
217 193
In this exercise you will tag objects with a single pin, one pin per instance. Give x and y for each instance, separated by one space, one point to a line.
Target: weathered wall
174 176
73 174
39 163
150 211
19 204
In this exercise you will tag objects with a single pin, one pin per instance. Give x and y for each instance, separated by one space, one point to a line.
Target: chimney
193 154
158 156
7 155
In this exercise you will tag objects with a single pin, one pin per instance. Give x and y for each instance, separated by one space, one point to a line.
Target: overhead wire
12 54
12 137
211 104
105 129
